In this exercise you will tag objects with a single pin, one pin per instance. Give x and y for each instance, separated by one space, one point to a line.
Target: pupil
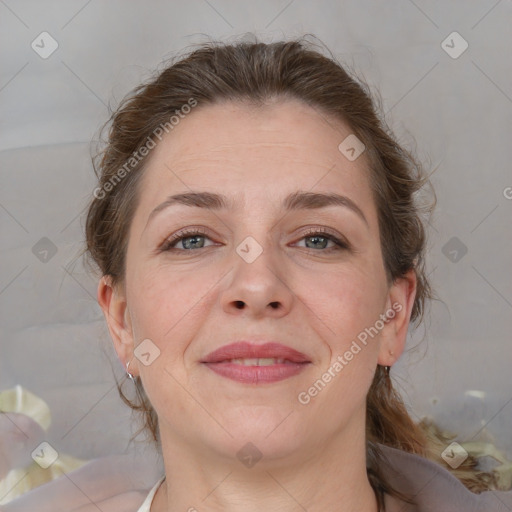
316 238
191 240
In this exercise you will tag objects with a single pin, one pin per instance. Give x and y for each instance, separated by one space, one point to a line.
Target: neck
331 477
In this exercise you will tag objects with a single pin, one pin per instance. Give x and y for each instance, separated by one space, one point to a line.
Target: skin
188 303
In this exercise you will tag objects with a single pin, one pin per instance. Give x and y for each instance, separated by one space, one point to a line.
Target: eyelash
186 233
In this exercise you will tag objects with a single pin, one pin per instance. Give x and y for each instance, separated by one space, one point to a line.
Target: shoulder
434 488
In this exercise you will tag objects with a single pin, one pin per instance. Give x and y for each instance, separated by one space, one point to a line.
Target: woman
262 257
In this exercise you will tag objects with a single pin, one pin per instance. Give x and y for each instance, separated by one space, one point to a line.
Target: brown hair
256 73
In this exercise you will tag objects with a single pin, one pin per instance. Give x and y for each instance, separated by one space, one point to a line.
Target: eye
189 239
318 239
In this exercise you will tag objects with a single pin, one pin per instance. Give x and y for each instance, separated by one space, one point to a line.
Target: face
265 266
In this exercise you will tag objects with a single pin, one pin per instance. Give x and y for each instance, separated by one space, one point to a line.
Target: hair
257 73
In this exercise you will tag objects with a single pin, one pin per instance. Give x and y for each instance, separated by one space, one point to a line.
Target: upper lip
246 350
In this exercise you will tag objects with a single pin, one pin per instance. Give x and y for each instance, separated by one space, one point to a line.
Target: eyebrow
299 200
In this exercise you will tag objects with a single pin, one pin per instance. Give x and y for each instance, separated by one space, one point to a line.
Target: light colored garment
30 475
146 505
433 487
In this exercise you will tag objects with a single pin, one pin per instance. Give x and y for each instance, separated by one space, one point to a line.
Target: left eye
320 241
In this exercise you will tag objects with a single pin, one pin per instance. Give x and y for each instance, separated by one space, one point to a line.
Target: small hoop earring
388 368
130 376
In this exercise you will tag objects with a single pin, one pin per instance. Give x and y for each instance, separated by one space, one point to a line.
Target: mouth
255 364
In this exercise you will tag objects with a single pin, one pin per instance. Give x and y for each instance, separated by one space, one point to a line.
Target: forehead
285 127
254 151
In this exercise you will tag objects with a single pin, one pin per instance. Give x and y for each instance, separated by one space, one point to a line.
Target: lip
219 362
244 349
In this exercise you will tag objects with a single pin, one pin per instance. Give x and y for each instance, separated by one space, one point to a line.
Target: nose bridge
255 261
256 283
253 235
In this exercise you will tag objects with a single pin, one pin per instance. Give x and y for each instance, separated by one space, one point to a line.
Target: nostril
239 304
275 305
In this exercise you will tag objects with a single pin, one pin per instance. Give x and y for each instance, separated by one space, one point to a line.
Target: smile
256 364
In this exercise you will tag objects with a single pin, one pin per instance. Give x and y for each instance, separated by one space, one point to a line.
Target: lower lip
257 374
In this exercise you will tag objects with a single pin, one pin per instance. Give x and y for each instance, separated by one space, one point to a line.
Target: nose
258 289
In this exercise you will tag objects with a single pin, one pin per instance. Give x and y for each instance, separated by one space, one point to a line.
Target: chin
271 433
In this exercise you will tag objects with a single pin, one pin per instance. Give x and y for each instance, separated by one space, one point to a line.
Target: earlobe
114 306
394 335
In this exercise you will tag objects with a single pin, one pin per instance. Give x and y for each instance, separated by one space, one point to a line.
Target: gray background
455 112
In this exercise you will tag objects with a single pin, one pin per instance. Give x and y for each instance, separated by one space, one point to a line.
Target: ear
112 301
399 305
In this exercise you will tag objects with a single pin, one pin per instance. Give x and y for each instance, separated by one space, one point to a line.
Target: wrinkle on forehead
294 118
231 154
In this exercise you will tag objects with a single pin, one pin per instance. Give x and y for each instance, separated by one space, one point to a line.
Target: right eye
190 239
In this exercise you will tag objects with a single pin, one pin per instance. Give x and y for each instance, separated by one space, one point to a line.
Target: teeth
249 362
267 361
262 361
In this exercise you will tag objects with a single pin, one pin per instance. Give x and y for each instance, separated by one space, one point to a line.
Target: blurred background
442 72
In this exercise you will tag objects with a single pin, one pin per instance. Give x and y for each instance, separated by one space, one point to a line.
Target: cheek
166 304
347 301
351 302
